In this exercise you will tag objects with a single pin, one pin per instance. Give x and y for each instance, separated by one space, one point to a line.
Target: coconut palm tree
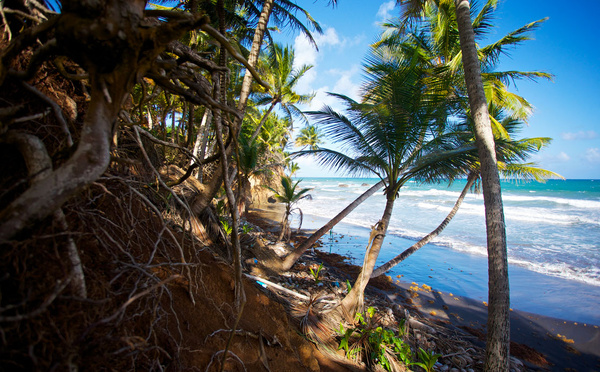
282 77
309 137
511 154
400 121
498 336
285 15
293 168
289 195
441 50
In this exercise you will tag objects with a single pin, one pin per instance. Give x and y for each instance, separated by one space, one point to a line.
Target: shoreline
465 274
563 343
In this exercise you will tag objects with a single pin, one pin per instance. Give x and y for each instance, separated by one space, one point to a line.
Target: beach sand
541 342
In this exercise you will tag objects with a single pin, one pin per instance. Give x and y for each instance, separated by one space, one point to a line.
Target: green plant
378 346
315 273
345 342
226 227
246 229
427 360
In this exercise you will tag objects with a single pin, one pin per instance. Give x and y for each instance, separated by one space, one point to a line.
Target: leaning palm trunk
415 247
498 324
293 256
263 120
354 301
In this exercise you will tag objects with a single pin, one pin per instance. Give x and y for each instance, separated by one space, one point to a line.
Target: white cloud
307 54
592 155
345 85
329 37
581 135
305 51
384 12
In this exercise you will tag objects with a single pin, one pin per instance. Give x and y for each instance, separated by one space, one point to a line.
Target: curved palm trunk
293 256
415 247
354 301
498 324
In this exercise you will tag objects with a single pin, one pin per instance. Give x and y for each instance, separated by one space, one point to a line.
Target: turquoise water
553 232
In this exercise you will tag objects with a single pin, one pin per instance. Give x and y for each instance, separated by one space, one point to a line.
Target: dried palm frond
312 324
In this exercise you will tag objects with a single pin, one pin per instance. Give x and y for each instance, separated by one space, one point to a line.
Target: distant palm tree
293 168
289 194
309 137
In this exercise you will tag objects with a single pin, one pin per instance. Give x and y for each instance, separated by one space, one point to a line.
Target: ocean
553 234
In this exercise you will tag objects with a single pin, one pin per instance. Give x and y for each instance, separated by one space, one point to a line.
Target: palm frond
491 53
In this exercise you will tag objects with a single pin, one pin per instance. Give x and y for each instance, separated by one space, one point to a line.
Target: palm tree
285 15
293 168
511 154
279 73
309 137
385 135
452 20
498 336
289 195
440 48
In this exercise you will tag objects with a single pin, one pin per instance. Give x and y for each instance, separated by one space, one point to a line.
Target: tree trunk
191 121
173 126
39 166
150 122
498 324
259 34
219 95
293 256
354 301
285 224
429 237
263 120
88 162
201 142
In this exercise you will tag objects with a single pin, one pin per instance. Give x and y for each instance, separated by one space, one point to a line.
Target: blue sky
567 46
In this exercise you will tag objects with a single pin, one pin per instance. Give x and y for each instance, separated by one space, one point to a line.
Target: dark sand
541 342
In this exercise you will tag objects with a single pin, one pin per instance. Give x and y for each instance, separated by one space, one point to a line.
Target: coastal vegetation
137 135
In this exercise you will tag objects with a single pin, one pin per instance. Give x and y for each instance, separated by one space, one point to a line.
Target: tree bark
429 237
88 162
498 324
354 301
199 150
263 120
39 166
293 256
259 34
116 52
